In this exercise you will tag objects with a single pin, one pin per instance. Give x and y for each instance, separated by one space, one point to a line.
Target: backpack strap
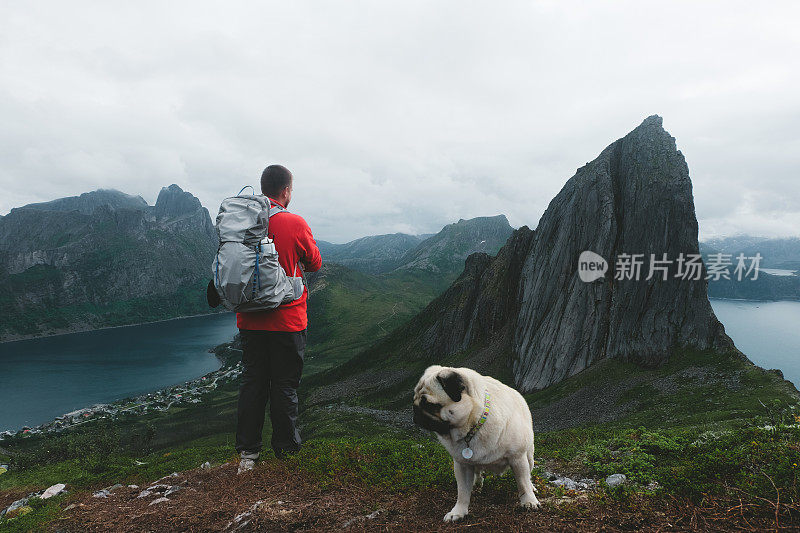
302 272
275 209
272 210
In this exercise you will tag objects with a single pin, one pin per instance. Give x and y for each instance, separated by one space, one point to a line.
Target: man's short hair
274 179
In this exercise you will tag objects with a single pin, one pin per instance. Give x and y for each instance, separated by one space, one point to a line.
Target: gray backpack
247 275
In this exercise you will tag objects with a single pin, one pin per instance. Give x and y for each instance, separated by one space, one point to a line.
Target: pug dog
485 425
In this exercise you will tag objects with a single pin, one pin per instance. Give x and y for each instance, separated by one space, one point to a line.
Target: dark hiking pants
273 362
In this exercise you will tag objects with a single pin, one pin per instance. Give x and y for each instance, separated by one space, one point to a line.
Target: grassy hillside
712 431
350 310
697 437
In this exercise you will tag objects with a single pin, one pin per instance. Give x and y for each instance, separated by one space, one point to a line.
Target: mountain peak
634 198
528 306
478 221
652 120
173 201
447 250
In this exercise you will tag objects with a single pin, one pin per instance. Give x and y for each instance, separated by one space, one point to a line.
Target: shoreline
160 399
795 300
59 334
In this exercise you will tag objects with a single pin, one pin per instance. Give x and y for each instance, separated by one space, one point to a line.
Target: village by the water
161 400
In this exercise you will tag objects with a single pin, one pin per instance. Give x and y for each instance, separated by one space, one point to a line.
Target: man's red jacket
294 243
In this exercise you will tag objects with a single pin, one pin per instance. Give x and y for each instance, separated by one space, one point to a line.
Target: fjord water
44 378
41 379
767 332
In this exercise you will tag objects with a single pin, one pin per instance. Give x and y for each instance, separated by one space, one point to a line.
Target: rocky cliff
635 198
476 310
103 258
527 309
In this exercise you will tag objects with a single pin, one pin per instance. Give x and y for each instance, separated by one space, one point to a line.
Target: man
273 342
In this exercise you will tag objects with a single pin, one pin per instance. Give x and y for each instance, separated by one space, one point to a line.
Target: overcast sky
399 116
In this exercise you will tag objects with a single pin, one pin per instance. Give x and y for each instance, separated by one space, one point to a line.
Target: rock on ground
615 480
52 491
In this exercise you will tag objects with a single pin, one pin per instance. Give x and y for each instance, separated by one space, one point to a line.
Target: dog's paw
455 515
477 486
529 503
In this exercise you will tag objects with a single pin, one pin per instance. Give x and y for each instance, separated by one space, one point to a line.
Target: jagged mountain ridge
442 253
635 198
103 258
373 254
527 310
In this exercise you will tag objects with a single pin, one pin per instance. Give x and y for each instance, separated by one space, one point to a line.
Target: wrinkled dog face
441 400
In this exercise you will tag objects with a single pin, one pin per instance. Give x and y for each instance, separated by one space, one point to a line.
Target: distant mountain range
776 253
103 258
445 252
779 254
368 287
374 254
106 258
440 253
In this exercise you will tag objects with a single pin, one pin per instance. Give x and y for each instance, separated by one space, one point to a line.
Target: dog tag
466 453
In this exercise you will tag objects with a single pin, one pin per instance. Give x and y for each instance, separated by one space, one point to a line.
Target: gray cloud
399 116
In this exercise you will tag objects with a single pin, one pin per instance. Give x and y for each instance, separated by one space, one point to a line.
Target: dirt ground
272 498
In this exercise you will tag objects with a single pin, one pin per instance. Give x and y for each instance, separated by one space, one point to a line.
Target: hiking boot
245 465
247 461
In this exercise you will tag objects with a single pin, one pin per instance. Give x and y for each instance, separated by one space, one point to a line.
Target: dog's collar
487 402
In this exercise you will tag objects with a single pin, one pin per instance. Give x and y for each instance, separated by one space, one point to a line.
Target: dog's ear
452 383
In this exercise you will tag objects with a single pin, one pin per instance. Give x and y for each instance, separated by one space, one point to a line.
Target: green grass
94 469
42 513
395 464
696 426
685 461
353 310
742 459
693 389
87 464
